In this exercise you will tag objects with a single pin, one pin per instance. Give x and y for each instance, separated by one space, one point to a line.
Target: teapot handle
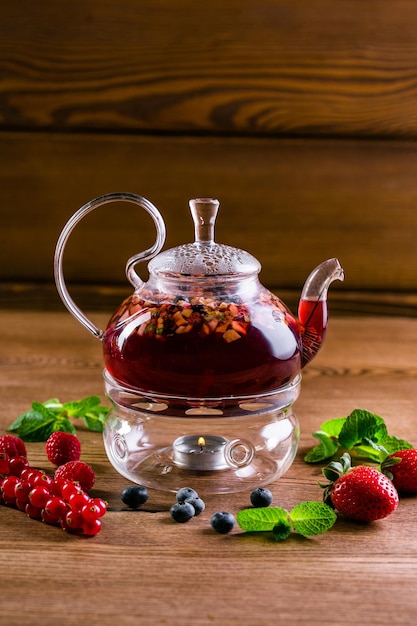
130 271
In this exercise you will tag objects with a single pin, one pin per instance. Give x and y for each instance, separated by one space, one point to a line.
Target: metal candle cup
200 452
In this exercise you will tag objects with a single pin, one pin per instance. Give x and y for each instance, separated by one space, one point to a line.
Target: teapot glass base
212 445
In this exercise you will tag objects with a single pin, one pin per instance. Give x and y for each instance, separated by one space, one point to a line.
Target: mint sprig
361 433
306 518
44 418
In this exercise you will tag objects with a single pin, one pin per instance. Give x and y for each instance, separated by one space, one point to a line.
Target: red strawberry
403 473
13 446
360 493
63 447
77 471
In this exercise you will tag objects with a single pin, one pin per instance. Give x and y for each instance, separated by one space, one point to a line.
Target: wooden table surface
143 568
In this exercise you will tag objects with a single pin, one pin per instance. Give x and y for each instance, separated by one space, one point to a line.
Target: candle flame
201 442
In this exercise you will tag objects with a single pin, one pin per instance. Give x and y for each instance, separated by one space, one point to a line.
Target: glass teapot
200 342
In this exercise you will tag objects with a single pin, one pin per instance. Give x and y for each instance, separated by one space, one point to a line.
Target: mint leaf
63 425
329 443
261 519
90 410
282 530
368 451
394 444
359 425
43 410
37 411
362 433
312 518
95 422
306 518
34 427
325 450
14 426
44 418
334 426
53 405
80 407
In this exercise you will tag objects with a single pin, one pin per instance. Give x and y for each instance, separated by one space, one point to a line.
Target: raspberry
62 447
77 471
13 446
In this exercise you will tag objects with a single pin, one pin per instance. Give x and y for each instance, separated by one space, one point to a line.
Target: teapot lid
204 257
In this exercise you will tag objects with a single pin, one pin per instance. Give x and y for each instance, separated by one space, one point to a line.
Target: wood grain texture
300 117
144 568
291 203
260 67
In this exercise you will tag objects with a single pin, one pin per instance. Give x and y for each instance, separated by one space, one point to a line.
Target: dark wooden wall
300 117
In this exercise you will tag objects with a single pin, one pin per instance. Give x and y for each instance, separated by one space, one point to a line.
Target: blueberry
184 493
197 503
222 522
182 512
134 495
261 497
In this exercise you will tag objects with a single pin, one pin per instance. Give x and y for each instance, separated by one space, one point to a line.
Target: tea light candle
204 452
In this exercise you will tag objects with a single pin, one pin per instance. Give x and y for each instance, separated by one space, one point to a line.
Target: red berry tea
202 347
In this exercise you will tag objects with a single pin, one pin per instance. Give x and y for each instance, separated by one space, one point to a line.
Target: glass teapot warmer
217 446
202 363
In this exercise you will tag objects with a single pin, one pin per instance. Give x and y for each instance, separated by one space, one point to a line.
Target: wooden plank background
301 118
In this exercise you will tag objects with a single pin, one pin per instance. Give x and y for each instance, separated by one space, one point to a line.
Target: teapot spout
312 309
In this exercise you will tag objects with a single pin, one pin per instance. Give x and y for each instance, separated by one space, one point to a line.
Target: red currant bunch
55 501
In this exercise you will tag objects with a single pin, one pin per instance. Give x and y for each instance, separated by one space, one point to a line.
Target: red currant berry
74 520
22 490
100 504
78 500
90 512
4 463
41 479
92 527
26 472
21 504
49 519
33 511
56 488
17 465
39 496
56 508
8 487
32 475
68 488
